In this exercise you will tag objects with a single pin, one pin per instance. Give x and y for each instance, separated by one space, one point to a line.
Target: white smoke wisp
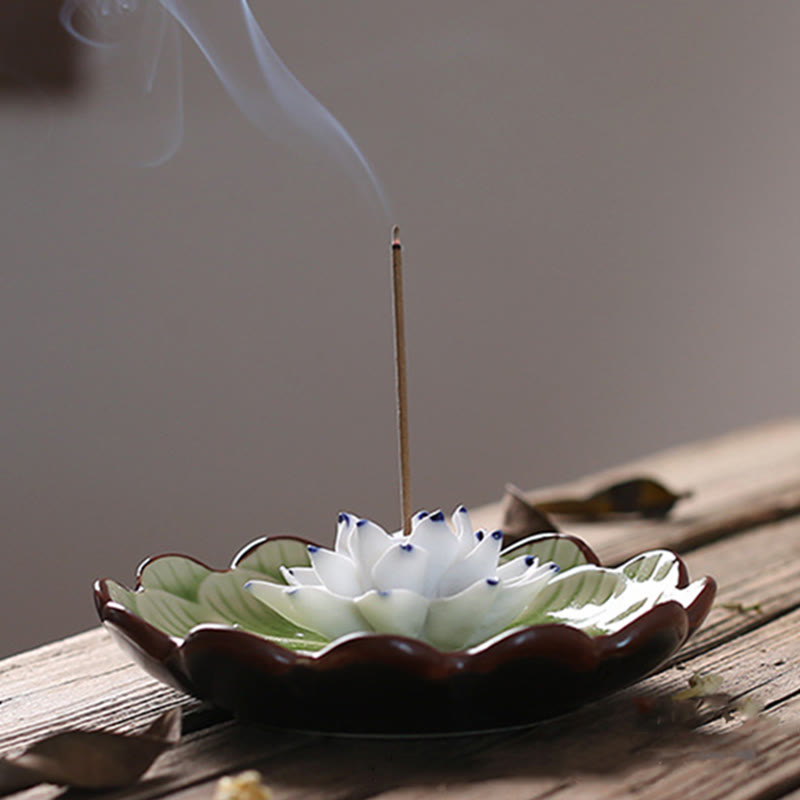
148 33
134 48
97 23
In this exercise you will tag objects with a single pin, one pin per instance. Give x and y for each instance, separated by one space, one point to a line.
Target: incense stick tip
396 236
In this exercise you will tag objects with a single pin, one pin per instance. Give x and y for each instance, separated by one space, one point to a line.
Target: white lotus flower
439 584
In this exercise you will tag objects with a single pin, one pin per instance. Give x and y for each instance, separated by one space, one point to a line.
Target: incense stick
401 377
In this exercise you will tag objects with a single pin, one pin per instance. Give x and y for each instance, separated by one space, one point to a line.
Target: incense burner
452 634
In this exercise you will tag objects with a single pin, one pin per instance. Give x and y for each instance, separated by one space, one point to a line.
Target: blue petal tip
361 523
437 517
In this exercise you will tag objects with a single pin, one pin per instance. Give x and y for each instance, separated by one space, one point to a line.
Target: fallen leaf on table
700 685
643 497
90 759
750 706
741 608
245 786
521 519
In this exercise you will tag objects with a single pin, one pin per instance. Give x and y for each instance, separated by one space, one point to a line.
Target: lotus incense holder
444 630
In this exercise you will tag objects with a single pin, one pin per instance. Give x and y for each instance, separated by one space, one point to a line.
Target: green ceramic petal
177 594
599 600
656 565
267 558
119 594
176 575
560 550
584 586
172 614
223 594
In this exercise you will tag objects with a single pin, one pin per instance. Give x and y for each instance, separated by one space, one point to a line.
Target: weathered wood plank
338 764
199 759
574 758
690 527
742 566
86 681
593 743
88 678
758 571
612 750
739 481
743 460
743 767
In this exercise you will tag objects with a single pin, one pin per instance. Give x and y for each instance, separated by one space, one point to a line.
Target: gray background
599 206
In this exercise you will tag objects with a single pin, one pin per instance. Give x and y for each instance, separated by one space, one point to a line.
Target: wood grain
741 527
737 481
84 679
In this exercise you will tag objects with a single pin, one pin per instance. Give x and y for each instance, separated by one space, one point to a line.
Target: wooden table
742 526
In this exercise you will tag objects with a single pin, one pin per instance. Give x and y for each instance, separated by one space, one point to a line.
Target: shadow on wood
610 739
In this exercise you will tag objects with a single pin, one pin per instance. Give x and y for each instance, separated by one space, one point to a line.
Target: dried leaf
749 706
90 759
741 608
685 713
521 519
244 786
700 685
692 706
641 496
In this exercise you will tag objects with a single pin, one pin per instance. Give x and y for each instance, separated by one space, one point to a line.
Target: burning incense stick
401 378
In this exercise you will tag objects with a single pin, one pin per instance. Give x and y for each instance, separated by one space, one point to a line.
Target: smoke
147 33
100 23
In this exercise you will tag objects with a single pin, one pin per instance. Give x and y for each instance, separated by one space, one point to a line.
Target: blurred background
598 203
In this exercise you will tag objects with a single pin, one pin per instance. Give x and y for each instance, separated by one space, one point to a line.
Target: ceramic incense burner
456 633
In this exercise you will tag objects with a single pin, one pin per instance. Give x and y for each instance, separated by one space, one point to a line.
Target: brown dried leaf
741 608
640 496
521 519
700 685
90 759
248 785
